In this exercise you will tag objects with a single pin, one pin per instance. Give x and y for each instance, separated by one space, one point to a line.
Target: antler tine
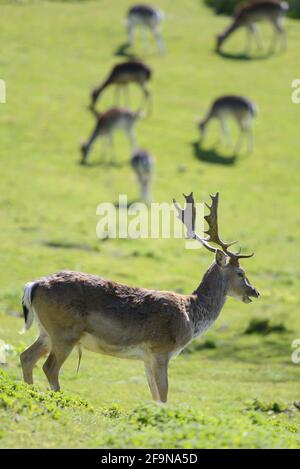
212 220
187 215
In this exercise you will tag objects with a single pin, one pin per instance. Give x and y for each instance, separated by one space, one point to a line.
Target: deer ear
221 258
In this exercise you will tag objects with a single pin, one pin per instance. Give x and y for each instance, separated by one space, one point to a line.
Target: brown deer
148 19
248 14
121 76
107 124
142 164
78 309
242 110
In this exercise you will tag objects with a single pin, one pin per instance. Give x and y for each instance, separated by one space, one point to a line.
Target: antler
213 230
188 217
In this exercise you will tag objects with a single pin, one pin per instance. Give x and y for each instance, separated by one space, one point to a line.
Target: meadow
235 387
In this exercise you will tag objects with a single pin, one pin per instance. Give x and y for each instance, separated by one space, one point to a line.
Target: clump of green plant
114 412
271 407
18 397
149 415
162 425
264 327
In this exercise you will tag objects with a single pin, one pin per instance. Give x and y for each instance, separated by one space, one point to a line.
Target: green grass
232 389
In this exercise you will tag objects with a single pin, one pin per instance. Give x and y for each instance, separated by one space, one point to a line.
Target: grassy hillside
232 389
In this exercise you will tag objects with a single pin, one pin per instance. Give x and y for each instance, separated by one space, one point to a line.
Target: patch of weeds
271 407
164 426
114 412
147 254
149 415
264 327
18 398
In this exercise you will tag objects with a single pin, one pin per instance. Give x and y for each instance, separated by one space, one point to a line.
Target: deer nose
255 293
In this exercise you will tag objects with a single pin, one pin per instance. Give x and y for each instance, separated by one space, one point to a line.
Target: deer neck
209 299
233 27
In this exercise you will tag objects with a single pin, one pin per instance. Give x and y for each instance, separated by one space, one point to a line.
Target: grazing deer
242 110
142 163
78 309
121 75
148 18
248 14
106 125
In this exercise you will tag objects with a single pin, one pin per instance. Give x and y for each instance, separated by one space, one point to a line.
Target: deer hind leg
281 32
127 94
159 41
246 129
277 24
249 34
32 354
58 355
117 93
239 143
130 31
145 35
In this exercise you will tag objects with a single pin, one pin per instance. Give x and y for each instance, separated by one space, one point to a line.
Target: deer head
220 38
228 262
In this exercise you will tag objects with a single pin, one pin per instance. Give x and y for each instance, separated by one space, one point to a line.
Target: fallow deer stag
147 18
248 14
142 164
242 110
107 124
73 308
121 76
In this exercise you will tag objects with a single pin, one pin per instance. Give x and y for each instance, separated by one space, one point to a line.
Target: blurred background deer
242 110
148 19
121 76
142 163
248 14
107 124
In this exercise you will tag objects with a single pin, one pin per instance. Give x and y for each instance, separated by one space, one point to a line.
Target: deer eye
240 274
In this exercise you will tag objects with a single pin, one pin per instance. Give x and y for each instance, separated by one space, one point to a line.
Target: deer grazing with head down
148 19
142 164
121 76
248 14
78 309
107 123
242 110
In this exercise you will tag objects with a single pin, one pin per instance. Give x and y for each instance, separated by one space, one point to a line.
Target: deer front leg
151 381
159 373
248 39
132 139
225 134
